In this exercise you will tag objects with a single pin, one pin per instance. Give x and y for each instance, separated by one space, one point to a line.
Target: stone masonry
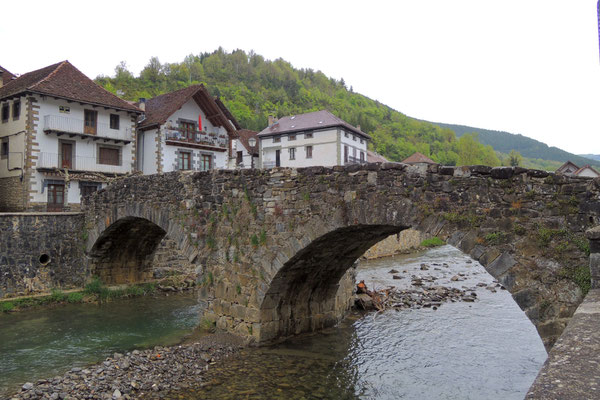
272 246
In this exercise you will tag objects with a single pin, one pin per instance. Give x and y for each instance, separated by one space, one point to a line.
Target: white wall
588 173
247 161
147 140
353 141
189 111
85 151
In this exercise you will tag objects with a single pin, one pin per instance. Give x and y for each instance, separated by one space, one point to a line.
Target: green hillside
504 142
253 87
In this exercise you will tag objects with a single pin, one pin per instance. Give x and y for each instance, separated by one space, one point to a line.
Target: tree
515 159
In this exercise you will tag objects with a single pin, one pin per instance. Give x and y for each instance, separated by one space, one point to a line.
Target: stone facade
402 242
42 251
273 245
11 194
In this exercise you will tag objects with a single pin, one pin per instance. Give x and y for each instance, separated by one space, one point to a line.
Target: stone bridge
274 249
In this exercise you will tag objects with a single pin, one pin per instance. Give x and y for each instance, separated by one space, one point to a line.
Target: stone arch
122 243
308 292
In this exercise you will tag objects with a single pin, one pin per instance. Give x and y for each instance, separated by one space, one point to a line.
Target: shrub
6 306
75 297
495 238
57 295
95 286
580 276
433 242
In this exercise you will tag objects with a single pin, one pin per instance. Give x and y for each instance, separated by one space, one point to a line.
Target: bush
57 296
433 242
75 297
6 306
95 286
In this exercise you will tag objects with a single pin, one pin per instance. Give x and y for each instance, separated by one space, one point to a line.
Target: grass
580 276
432 242
495 238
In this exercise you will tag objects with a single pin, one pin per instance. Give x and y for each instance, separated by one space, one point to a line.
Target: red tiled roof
313 120
65 81
160 108
244 135
418 158
373 157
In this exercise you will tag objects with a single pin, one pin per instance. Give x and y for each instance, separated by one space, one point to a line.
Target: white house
570 169
61 136
244 150
316 138
184 130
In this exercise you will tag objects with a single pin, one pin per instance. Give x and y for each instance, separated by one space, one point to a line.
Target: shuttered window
109 156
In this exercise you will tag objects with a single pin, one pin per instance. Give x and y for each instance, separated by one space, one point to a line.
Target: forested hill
253 87
504 142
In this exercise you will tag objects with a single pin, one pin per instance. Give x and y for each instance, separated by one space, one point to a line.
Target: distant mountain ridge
591 156
504 142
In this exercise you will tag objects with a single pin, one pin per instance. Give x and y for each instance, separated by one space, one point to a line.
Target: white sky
524 66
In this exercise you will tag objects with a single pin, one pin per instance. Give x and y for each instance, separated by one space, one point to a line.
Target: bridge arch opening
312 289
123 252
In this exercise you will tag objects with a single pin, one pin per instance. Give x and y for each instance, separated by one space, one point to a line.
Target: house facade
313 139
184 130
62 137
244 150
570 169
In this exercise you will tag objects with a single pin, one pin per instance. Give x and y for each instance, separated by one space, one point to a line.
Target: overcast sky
524 66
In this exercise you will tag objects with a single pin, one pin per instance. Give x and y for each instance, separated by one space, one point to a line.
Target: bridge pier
594 237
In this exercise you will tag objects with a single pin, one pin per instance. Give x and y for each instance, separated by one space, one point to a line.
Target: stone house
184 130
570 169
61 137
313 139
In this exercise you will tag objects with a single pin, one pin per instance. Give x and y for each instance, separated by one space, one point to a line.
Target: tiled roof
244 135
65 81
580 170
313 120
418 158
160 108
373 157
564 167
6 75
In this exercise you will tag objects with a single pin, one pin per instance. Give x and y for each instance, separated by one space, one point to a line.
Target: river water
48 342
486 349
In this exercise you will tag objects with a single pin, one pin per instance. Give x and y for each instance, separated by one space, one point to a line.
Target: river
486 349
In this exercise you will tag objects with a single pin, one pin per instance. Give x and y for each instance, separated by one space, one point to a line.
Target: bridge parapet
272 246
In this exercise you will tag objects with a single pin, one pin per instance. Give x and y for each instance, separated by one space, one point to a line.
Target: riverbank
148 374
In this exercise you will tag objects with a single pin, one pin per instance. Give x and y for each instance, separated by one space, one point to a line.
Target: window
16 109
308 135
87 189
56 197
90 121
188 129
354 138
109 156
291 137
346 134
206 162
66 154
292 153
362 156
345 154
184 162
354 152
4 149
308 151
276 139
64 109
5 112
114 121
361 141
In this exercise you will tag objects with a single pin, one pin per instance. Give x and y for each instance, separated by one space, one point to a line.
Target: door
66 155
90 122
278 158
56 197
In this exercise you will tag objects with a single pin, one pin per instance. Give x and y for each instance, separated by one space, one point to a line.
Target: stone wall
12 194
402 242
273 245
41 251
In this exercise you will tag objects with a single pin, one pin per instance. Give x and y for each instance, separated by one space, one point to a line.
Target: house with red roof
418 159
245 146
570 169
62 136
185 130
313 139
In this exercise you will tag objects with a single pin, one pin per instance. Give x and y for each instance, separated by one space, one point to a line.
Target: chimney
358 127
271 120
142 102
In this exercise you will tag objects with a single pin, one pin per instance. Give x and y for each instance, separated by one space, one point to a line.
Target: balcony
51 161
355 160
76 127
198 139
